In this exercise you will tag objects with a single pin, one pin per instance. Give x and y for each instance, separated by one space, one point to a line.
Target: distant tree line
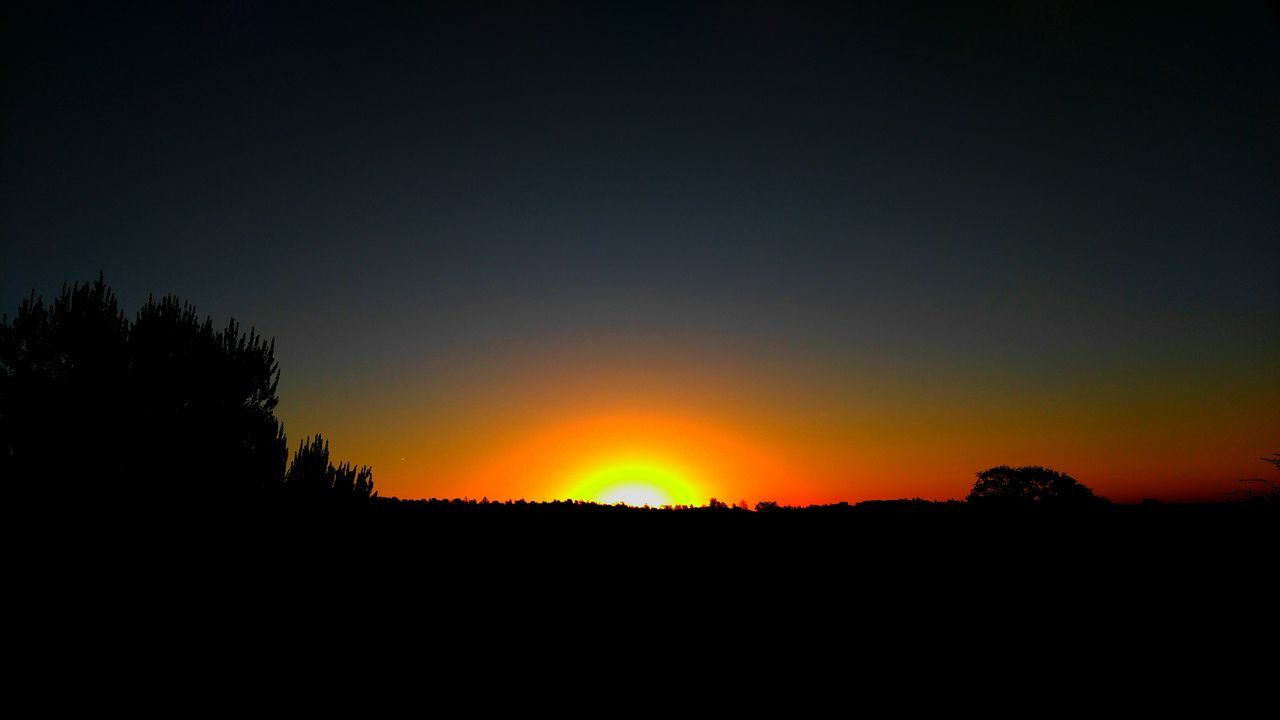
164 409
167 410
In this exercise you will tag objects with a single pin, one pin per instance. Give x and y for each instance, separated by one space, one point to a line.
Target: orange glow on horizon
636 483
632 458
539 425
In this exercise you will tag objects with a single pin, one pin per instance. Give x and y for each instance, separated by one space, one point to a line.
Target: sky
799 252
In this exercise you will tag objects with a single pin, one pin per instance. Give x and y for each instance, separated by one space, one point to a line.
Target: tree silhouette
1269 491
208 395
313 479
1030 486
166 410
64 393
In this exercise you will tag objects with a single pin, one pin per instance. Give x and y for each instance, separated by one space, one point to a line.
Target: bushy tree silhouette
209 395
313 479
165 411
1030 486
63 391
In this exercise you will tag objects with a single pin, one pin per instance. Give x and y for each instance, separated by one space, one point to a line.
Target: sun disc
635 484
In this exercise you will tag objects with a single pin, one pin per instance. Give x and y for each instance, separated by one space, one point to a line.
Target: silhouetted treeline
1025 489
165 411
392 506
169 415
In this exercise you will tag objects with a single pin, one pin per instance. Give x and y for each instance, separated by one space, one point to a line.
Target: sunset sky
749 250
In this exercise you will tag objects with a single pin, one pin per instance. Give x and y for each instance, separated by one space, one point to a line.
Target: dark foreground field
591 538
838 599
904 543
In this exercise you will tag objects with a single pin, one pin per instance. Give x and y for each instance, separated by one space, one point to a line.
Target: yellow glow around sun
636 484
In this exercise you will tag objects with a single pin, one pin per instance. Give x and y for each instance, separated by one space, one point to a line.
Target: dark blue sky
1022 187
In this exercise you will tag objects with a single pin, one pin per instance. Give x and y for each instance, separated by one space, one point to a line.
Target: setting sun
636 457
635 484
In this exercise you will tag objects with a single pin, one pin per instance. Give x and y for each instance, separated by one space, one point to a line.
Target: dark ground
932 604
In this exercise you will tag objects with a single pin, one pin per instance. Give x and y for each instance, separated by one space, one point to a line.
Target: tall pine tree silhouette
165 414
